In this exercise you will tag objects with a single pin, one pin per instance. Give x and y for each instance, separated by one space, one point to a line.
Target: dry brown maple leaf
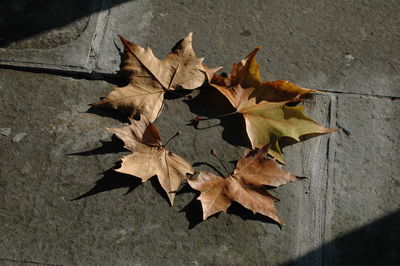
149 78
264 105
244 185
149 157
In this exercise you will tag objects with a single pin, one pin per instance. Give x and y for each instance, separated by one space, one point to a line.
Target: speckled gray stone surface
54 35
337 46
40 175
365 185
61 204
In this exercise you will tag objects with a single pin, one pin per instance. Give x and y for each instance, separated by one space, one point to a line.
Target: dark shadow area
197 164
210 103
114 79
194 211
234 162
172 95
377 243
246 214
114 146
287 141
157 186
112 180
21 19
108 112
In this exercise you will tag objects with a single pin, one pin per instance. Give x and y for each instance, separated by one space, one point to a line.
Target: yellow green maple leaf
264 105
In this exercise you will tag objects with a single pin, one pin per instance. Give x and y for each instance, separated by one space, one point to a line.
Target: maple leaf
149 157
244 185
149 78
264 105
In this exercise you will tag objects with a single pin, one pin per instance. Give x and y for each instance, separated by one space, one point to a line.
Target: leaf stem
176 134
214 153
220 116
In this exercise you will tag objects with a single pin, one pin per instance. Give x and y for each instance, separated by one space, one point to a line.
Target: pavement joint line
63 73
98 37
88 74
319 184
30 67
30 262
331 154
362 94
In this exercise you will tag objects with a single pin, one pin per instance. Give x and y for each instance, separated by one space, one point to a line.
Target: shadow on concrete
108 112
246 214
112 180
172 95
376 243
210 103
196 164
21 19
194 212
157 186
114 146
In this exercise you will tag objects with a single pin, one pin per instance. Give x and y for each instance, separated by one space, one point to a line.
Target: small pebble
5 131
18 137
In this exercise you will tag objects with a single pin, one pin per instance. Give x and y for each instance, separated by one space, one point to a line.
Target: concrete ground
61 203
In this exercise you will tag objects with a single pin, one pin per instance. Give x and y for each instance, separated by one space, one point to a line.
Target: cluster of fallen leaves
264 106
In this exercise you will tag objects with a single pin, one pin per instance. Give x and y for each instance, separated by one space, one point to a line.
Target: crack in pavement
30 262
84 74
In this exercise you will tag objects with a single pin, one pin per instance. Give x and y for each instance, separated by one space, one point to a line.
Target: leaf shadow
197 164
246 214
108 112
157 186
172 95
114 146
193 211
112 180
22 20
211 103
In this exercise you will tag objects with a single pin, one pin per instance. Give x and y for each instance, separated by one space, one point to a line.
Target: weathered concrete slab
365 185
57 35
39 177
341 46
345 213
362 207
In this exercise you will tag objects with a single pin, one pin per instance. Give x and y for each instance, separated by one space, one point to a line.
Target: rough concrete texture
345 213
56 35
40 176
29 24
366 179
337 46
